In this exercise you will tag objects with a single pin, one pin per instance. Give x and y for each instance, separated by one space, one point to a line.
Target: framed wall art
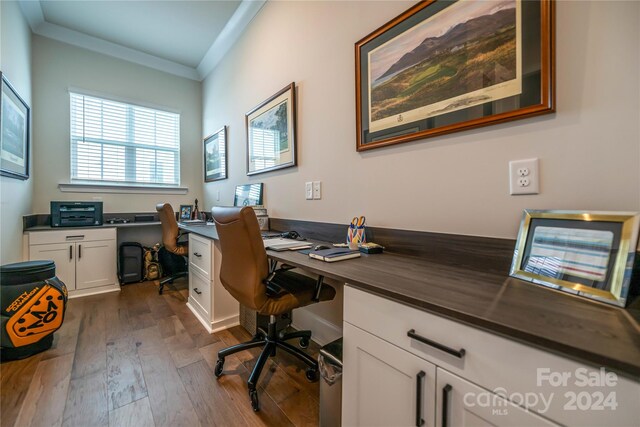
585 253
14 133
445 66
215 156
185 211
271 133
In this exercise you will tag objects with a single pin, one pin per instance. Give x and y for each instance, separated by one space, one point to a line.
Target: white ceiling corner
236 25
234 21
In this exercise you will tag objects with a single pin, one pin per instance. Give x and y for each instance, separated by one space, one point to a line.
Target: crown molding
244 14
231 32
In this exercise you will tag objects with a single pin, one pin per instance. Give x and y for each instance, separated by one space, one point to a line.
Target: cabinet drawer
71 235
491 361
200 255
200 292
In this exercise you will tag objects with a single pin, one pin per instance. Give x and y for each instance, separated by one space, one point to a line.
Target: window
117 143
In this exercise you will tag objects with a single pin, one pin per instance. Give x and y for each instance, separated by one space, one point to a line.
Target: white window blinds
118 143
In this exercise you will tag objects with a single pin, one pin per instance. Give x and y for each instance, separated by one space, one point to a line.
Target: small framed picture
15 117
185 211
215 156
271 133
590 254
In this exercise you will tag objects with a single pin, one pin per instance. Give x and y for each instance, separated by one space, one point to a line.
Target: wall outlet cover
524 177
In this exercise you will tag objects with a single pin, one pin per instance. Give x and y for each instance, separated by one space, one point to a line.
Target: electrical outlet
317 190
524 176
308 190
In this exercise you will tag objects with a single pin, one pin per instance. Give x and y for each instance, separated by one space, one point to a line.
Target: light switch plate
308 190
317 190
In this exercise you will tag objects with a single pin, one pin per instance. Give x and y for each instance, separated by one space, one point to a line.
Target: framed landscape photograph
215 156
14 133
445 66
590 254
271 133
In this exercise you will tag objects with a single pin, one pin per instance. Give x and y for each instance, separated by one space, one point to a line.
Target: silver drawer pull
197 291
197 254
457 353
76 237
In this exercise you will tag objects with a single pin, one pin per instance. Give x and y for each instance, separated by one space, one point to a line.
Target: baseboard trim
226 323
198 315
94 291
218 325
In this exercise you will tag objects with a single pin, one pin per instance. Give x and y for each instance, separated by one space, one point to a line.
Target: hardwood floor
136 358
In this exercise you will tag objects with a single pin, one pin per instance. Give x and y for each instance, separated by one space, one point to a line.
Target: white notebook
280 244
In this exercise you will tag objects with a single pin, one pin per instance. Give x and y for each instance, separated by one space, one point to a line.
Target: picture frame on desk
443 67
590 254
271 133
215 156
15 132
185 212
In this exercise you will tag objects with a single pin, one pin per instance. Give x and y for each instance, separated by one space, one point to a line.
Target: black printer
76 214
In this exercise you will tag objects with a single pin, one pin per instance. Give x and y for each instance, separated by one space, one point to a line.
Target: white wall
16 196
589 150
58 67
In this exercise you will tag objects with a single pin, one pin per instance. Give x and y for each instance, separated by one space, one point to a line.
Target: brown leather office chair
245 274
173 254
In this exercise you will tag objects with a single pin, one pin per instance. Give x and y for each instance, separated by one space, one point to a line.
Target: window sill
119 189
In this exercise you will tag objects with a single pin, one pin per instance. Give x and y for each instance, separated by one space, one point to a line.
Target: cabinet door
64 255
384 385
95 264
462 404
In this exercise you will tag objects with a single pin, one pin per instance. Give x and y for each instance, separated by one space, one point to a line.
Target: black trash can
33 303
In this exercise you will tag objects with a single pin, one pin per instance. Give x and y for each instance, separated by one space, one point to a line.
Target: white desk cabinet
214 307
494 381
85 258
383 386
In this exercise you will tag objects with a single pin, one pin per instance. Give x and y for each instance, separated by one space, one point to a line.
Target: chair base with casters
270 341
174 266
281 283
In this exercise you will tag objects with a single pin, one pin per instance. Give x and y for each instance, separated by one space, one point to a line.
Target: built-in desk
86 257
595 333
510 330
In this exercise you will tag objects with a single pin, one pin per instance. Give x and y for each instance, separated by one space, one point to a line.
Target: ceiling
183 37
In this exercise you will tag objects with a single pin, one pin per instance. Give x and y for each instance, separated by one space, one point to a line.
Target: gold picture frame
590 254
443 67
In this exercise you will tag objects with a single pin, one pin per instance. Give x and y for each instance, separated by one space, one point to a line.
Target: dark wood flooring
136 358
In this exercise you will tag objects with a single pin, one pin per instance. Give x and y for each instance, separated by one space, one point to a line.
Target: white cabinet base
85 258
208 300
217 325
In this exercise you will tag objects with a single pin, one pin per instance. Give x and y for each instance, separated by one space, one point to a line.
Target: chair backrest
244 259
170 228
